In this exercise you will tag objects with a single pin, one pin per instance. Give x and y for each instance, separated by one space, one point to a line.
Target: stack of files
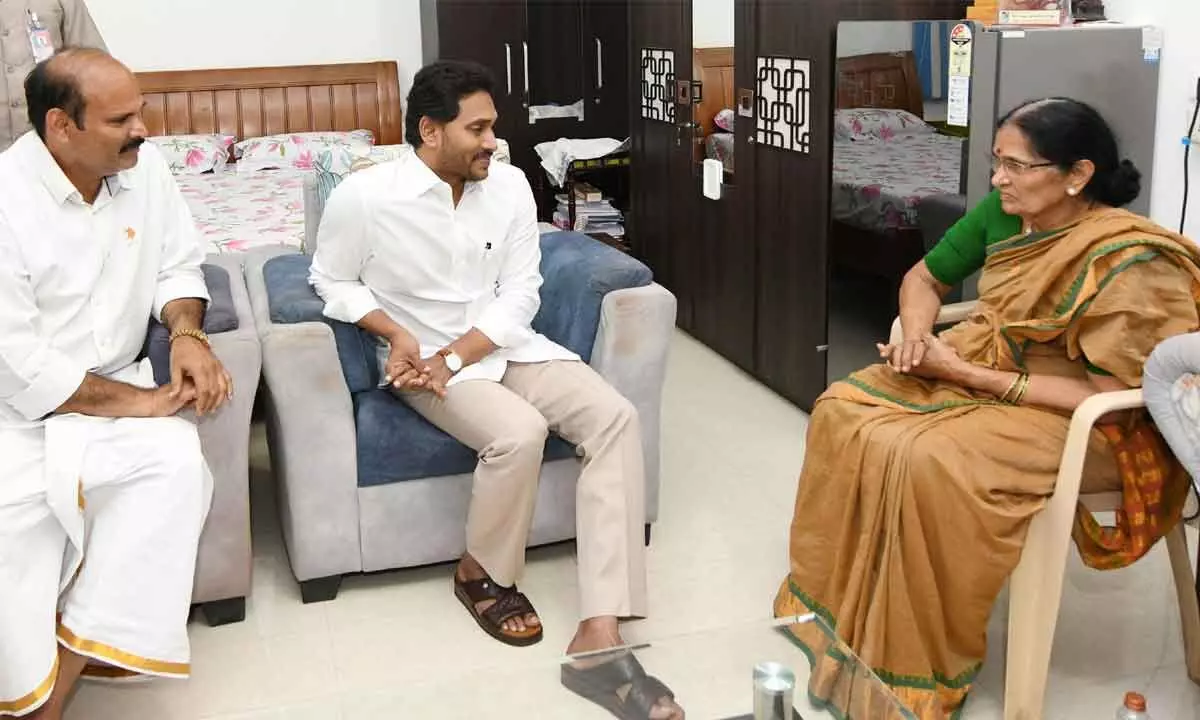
590 217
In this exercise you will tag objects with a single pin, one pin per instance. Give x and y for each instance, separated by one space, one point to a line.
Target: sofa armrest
224 562
633 341
310 422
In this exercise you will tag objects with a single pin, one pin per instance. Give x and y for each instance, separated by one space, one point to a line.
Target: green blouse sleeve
963 249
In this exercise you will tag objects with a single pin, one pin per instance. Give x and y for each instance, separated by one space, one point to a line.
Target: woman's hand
940 361
934 360
904 356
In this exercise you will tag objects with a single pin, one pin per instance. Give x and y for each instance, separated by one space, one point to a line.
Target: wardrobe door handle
525 55
508 65
599 64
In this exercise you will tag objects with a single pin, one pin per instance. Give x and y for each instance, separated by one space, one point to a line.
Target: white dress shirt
78 282
391 239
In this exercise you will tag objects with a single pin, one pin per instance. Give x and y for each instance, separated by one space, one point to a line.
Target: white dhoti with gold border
99 525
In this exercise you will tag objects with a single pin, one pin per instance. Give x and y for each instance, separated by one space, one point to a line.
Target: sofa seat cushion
397 444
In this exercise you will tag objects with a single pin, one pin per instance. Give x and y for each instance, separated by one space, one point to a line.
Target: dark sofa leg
648 526
320 589
224 612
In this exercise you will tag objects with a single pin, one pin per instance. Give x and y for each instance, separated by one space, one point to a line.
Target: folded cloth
543 112
558 155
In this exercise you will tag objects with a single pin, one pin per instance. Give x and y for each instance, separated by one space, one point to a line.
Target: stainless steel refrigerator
1114 68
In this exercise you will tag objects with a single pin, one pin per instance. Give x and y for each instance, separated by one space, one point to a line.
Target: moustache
133 144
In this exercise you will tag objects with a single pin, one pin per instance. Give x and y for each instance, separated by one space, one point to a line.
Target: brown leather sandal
603 684
509 603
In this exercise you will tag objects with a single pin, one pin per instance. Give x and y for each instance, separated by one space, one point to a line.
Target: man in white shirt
437 253
103 490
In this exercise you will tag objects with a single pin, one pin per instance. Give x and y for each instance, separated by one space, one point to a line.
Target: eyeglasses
1015 167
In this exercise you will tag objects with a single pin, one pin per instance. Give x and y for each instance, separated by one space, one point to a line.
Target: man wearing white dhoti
103 490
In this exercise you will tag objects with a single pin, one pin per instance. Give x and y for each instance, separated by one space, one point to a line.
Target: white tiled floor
731 454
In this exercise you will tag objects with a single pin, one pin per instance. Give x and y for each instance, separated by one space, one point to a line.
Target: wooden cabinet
751 270
542 53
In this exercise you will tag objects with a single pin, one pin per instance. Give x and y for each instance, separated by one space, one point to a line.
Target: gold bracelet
189 332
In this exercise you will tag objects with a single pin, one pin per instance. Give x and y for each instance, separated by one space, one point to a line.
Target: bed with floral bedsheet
258 200
877 184
240 211
885 161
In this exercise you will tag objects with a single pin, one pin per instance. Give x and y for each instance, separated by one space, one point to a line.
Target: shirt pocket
491 264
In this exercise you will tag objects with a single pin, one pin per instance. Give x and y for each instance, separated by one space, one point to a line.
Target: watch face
453 362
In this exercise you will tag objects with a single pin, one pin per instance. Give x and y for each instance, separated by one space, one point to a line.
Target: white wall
862 38
712 23
1180 20
191 34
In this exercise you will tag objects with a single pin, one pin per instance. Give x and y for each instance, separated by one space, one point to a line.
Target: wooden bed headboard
252 102
714 68
880 80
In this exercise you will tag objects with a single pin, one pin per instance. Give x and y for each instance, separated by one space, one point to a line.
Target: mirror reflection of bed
893 155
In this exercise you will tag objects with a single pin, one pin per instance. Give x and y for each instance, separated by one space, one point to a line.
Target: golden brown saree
915 495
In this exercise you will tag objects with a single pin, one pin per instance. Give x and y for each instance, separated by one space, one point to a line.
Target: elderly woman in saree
922 473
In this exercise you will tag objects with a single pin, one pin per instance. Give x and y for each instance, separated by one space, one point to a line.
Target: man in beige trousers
437 254
65 22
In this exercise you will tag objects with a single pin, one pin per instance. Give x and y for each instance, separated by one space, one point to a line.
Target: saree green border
834 710
1023 240
1073 295
960 681
908 404
827 705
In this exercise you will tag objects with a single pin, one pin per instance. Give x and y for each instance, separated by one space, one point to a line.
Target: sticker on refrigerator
1152 43
959 95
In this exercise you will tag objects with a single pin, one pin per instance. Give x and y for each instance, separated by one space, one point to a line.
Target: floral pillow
877 124
194 154
724 120
377 154
304 151
385 153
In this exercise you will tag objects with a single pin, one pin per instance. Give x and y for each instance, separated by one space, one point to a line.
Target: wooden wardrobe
541 52
751 269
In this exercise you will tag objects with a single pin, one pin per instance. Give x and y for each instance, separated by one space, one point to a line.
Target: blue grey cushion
578 273
394 443
220 316
292 300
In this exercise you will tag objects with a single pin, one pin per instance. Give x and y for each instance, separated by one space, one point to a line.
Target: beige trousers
507 423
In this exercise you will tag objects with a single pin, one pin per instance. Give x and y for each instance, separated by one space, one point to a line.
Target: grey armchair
365 483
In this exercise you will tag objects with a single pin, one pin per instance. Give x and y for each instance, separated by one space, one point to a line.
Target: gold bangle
189 332
1012 386
1024 388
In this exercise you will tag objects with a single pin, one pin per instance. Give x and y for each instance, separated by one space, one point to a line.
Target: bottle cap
1135 701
